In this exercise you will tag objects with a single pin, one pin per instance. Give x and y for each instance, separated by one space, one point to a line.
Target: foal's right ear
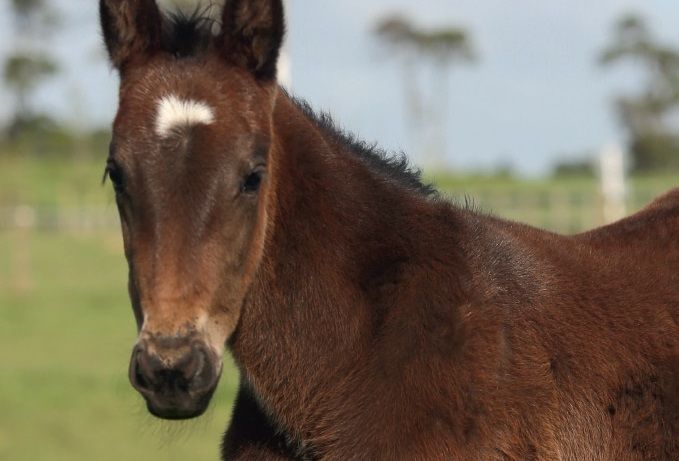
252 35
132 29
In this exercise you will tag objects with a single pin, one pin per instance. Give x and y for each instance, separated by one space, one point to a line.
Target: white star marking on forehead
174 113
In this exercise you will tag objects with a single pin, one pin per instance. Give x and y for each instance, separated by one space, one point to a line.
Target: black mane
395 167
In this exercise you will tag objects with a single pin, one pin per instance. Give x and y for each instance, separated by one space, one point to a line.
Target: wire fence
59 219
559 210
564 211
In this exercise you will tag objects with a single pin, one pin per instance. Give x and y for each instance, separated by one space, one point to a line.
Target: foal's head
190 161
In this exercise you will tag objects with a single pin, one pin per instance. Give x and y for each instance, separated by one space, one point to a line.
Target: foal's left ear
252 35
132 29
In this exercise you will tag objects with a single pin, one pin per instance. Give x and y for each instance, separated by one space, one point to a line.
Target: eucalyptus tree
440 48
647 115
28 64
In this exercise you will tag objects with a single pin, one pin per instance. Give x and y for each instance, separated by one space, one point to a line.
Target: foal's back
592 350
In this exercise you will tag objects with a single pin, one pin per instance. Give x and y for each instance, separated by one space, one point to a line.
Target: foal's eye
115 175
251 182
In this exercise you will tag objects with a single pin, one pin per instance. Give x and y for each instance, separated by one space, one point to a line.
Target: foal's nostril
202 374
190 364
138 377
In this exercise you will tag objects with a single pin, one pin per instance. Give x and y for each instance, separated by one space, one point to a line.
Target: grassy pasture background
66 328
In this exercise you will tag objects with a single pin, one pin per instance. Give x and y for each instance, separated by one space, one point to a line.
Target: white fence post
613 184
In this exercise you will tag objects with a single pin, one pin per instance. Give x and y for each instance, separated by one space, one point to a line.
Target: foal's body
434 332
370 319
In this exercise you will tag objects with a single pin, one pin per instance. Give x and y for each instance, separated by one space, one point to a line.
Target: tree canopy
646 116
441 47
28 65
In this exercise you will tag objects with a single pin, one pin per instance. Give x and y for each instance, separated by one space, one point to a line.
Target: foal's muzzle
176 376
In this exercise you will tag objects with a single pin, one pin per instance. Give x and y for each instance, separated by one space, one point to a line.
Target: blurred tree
443 48
395 34
653 142
28 64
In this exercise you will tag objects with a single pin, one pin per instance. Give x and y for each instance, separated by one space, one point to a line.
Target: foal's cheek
132 288
133 292
240 247
234 237
126 233
253 242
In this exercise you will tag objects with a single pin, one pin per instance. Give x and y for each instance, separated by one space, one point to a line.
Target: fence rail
566 211
58 218
560 210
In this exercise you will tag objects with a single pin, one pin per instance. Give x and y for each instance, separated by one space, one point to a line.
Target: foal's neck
343 236
344 211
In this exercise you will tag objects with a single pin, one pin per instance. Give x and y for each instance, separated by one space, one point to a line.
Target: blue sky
535 95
